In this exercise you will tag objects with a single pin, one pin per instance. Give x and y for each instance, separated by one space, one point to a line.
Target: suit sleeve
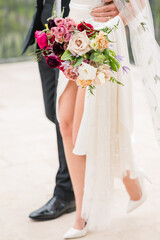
36 25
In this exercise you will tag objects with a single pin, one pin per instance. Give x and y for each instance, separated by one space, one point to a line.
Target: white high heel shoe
75 233
132 205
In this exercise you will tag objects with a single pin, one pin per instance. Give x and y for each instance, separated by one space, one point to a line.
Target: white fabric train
137 15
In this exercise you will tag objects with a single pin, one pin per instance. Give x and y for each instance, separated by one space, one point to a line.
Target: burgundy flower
58 48
86 26
47 51
53 61
51 23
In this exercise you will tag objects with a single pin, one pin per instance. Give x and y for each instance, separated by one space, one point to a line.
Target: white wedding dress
105 134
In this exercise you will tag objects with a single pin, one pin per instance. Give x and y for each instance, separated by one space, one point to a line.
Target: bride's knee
65 127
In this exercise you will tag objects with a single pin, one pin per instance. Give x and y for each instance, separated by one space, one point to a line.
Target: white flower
101 77
93 44
87 72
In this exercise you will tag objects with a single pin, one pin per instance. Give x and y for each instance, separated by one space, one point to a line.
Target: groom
63 197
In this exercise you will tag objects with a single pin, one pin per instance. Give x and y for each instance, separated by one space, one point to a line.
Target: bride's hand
106 12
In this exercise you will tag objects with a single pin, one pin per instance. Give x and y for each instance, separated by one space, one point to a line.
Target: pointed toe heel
73 233
132 205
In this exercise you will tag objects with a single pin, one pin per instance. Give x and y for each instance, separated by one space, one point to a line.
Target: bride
97 129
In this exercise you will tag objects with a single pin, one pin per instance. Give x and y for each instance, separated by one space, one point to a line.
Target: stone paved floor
28 164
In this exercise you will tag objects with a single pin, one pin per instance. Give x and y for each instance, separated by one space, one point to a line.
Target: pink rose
70 26
41 38
71 73
53 29
60 31
59 21
67 36
68 19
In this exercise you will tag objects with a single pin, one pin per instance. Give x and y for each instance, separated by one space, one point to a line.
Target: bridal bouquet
83 53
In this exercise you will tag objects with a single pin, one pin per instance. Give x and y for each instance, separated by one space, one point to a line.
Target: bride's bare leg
132 187
78 113
76 164
80 176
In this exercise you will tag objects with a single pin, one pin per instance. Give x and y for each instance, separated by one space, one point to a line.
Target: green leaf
112 53
119 83
114 80
66 55
106 53
91 88
86 56
115 63
78 62
62 13
109 29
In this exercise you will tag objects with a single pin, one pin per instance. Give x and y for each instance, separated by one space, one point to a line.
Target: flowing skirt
105 135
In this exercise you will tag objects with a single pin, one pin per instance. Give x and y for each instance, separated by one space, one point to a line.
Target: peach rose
83 83
101 41
79 43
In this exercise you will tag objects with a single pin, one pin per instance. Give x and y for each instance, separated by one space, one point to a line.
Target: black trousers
49 79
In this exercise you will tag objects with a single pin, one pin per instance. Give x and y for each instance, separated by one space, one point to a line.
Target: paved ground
28 164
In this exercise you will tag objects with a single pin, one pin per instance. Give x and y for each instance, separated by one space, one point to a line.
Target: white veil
146 52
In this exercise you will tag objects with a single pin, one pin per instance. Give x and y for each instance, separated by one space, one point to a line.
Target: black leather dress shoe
54 208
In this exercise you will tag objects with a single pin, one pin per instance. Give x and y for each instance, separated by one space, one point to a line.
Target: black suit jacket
37 24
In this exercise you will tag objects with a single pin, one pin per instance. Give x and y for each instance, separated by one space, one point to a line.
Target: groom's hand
106 12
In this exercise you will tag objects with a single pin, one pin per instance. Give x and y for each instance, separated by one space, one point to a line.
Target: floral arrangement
83 53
